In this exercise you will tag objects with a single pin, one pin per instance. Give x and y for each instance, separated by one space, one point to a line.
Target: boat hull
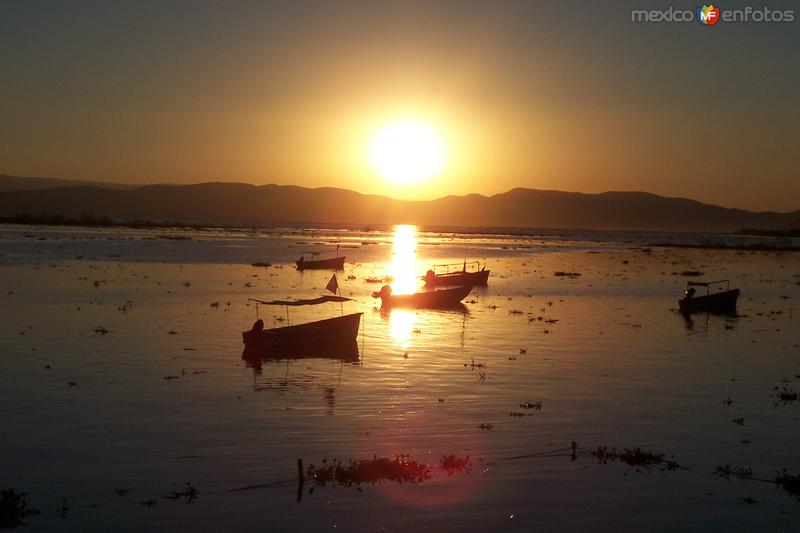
442 298
335 263
458 279
330 338
721 302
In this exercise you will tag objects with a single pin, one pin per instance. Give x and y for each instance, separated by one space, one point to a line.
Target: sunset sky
559 95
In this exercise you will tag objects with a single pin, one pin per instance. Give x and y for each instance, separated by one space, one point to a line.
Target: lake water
122 381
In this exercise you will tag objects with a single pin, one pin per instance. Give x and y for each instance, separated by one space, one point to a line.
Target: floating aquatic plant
400 469
637 458
14 509
452 464
189 493
124 491
561 274
739 472
789 483
786 395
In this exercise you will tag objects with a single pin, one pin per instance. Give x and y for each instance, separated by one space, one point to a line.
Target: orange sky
523 96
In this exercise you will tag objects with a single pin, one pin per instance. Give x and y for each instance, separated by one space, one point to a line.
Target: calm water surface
107 424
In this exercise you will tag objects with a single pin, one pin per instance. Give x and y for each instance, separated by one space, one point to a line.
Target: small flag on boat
333 285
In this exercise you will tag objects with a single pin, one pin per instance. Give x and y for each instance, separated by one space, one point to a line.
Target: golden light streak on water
404 256
401 324
405 281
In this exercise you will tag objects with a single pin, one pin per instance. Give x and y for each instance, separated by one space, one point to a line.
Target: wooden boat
719 302
456 278
441 298
332 263
332 337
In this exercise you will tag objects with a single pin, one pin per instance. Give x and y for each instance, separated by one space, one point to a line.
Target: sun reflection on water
401 324
403 271
404 255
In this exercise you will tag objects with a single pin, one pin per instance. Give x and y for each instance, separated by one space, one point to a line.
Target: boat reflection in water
690 320
345 350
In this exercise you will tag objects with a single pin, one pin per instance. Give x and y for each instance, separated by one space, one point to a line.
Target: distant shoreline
97 221
92 221
743 247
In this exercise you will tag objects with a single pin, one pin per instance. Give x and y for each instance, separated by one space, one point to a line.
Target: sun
407 152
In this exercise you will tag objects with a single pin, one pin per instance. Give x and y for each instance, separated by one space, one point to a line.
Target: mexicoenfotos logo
707 15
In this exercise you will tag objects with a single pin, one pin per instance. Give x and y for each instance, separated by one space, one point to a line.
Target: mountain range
250 204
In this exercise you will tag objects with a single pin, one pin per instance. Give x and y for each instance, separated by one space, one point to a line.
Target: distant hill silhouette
17 183
529 208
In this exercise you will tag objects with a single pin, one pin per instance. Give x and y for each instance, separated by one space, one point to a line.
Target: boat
723 301
440 298
332 263
456 278
332 337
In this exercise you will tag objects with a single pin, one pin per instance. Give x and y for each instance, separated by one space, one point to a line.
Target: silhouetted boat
430 299
460 278
332 337
332 263
717 302
335 263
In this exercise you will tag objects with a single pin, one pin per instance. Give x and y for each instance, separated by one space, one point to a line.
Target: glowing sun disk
407 152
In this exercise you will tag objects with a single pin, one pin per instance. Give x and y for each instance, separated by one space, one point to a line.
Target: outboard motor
252 345
690 292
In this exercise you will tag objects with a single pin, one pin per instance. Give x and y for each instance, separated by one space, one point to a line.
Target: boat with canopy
332 337
721 301
447 275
